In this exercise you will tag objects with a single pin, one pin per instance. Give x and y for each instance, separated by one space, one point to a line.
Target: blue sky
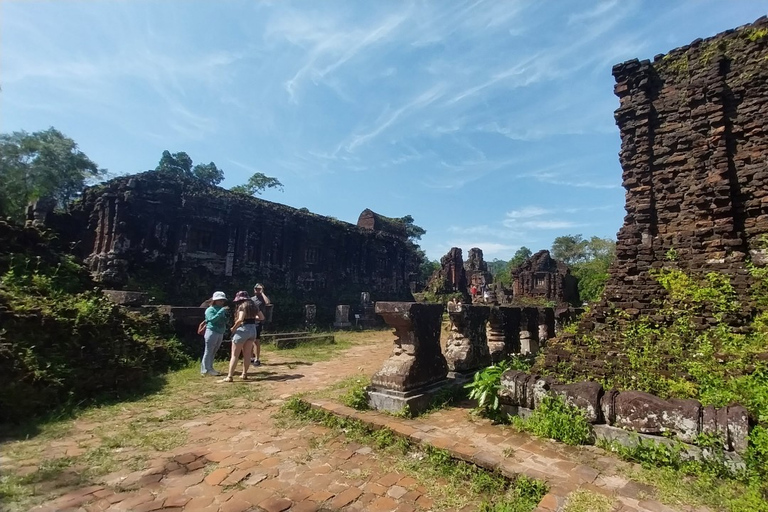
491 122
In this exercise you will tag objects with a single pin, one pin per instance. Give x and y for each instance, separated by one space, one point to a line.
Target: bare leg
236 349
247 348
257 343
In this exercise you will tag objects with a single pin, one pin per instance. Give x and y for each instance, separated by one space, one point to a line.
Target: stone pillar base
417 400
461 378
342 325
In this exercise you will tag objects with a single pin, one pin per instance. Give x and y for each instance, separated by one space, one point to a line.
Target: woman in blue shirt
216 317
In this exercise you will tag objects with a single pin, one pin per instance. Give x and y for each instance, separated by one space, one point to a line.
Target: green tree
41 164
427 267
180 165
176 164
570 249
519 257
413 231
257 184
589 261
208 173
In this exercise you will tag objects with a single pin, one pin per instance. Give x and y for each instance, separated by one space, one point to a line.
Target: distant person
215 324
260 300
473 292
486 296
247 315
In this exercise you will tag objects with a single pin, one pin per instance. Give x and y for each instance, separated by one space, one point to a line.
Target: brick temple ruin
539 280
694 143
543 278
694 155
183 239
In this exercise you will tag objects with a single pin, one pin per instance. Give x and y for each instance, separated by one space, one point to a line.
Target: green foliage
62 341
257 184
44 164
555 419
519 257
485 387
357 396
756 34
589 261
179 165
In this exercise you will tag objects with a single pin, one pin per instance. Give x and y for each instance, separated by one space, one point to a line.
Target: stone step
317 339
269 337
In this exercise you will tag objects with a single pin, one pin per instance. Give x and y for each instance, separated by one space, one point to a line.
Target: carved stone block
416 360
467 347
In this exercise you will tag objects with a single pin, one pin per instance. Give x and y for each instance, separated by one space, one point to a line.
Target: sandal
226 379
244 376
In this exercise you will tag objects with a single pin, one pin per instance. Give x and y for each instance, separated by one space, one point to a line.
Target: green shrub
485 387
357 396
62 342
555 419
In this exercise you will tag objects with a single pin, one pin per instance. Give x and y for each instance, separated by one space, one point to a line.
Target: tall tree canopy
257 184
413 231
41 164
519 257
589 261
180 164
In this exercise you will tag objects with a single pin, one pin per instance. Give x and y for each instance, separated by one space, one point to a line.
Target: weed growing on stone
682 481
485 388
554 419
356 396
587 501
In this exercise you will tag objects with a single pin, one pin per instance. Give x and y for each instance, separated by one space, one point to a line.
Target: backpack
202 327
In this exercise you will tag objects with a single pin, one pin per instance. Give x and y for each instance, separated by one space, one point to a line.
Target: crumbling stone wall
451 277
695 158
184 239
694 153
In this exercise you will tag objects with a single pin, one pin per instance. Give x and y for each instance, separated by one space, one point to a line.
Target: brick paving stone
185 459
234 505
217 476
382 504
389 479
176 501
298 493
270 462
305 506
276 504
149 506
655 506
424 502
397 492
235 477
549 502
344 498
411 496
254 495
136 500
375 488
321 496
405 507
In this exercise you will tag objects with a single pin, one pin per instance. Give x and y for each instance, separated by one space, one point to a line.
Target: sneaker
255 362
214 373
226 379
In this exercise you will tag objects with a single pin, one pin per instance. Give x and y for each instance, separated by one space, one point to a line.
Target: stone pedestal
546 324
497 345
529 331
342 317
467 347
416 369
310 316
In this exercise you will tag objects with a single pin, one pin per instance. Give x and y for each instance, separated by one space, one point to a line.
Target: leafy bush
357 396
485 387
555 419
62 342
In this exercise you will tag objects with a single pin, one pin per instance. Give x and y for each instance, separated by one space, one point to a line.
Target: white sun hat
219 296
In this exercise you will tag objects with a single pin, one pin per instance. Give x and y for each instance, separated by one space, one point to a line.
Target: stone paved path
241 460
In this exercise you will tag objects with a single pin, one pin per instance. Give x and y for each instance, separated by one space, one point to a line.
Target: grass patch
554 419
453 483
680 482
587 501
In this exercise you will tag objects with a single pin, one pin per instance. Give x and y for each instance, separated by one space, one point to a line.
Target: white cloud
527 212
